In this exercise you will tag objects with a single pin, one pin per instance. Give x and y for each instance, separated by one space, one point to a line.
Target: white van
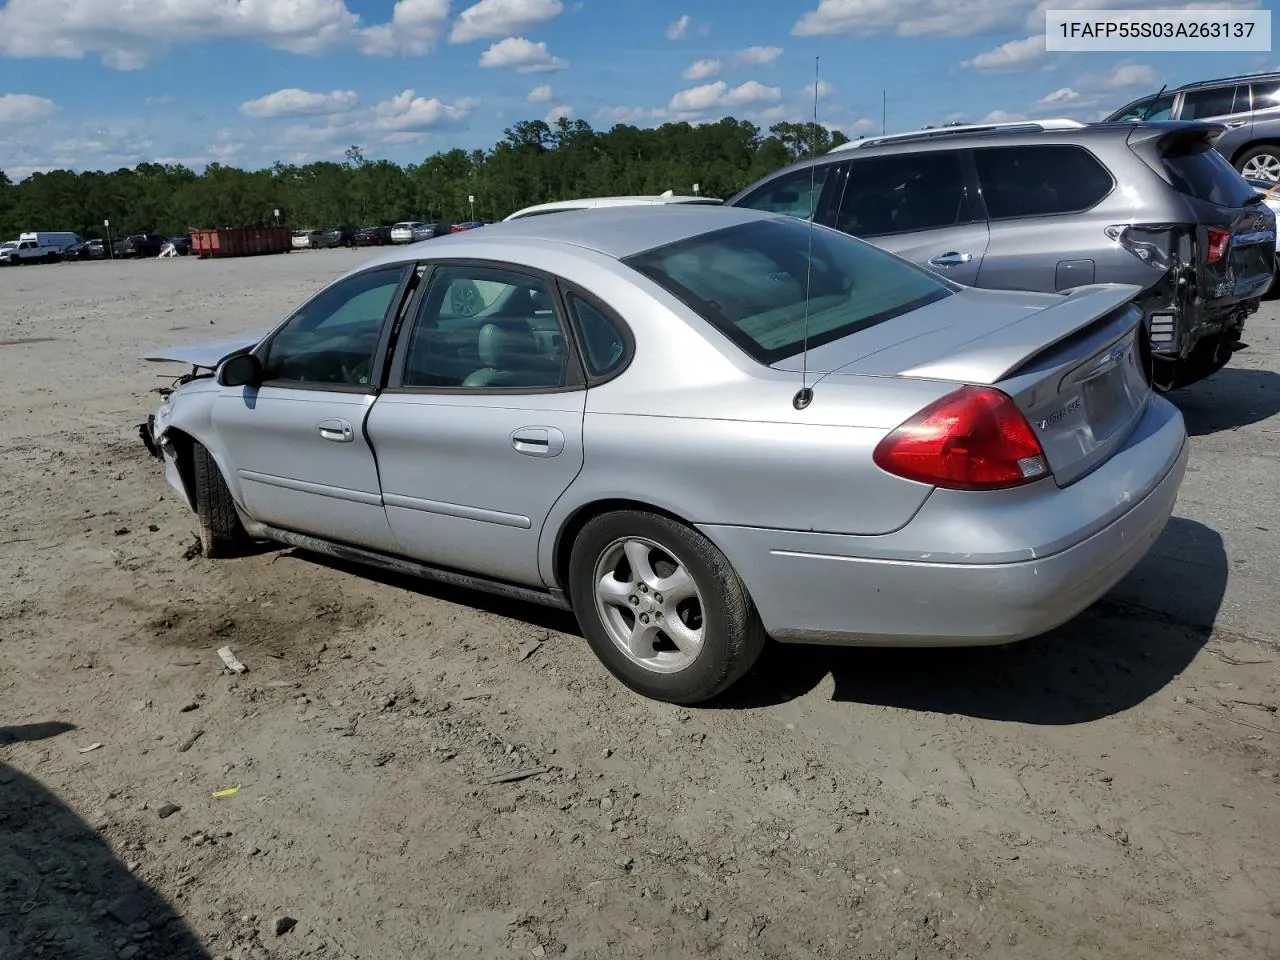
59 239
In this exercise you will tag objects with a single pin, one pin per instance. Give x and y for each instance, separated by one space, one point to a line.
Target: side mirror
242 370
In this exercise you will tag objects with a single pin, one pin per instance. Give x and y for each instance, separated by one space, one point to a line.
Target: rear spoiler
1152 142
1183 137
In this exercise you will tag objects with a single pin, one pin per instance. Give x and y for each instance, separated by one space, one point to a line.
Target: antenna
805 396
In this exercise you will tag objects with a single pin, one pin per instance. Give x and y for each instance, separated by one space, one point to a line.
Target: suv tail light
1219 241
975 438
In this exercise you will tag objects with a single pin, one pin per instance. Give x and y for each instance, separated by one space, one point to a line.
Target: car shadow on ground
1233 397
1118 653
1125 648
63 893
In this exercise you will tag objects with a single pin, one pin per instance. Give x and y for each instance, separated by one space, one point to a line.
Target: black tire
1262 149
733 634
221 533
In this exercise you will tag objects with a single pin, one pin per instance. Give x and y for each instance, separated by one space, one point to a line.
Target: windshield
750 281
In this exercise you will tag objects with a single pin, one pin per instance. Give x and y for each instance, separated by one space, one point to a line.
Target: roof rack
1265 75
933 133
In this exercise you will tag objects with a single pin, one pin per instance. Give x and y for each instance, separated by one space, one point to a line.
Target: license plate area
1106 402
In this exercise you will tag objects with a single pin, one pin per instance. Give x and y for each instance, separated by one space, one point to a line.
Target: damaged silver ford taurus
695 427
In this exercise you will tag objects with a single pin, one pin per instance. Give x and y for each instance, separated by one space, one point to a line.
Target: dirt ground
1107 791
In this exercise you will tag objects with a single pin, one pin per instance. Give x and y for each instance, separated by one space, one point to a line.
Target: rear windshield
1206 174
750 281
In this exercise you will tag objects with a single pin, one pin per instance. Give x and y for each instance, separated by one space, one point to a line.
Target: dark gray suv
1048 208
1249 107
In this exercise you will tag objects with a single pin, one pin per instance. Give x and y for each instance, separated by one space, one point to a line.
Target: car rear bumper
827 588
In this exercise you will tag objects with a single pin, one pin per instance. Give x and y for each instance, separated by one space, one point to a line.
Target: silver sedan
696 428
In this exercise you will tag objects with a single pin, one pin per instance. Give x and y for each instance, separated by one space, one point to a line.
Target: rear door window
1266 96
1214 102
904 194
1039 180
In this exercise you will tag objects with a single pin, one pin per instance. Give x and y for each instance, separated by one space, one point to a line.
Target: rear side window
1205 174
760 286
914 191
795 194
1214 102
1040 180
604 344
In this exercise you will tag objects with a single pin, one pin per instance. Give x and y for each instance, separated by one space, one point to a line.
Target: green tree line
533 163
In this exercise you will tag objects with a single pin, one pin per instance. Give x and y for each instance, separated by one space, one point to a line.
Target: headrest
505 343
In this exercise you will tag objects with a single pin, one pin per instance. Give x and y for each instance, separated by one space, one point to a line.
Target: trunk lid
1072 363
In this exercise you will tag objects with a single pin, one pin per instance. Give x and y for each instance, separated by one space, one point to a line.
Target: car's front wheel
662 607
221 533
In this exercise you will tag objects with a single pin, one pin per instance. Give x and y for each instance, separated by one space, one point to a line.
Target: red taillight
973 439
1219 240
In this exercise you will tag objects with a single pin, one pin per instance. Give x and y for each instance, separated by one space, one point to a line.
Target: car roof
1241 78
618 232
1091 133
585 203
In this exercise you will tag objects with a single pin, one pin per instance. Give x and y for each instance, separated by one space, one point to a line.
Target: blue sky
97 84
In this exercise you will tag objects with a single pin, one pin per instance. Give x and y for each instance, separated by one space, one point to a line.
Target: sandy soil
1108 791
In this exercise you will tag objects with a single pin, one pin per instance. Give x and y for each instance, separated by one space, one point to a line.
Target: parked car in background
341 236
140 245
88 250
469 225
373 236
1248 106
597 411
591 203
1026 207
29 251
304 239
181 244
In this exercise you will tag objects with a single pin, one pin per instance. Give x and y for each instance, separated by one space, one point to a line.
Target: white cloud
17 108
680 28
752 92
128 35
407 111
758 56
1063 96
1129 75
1008 57
502 18
541 94
414 27
861 125
824 89
701 69
292 102
700 99
524 56
564 111
1002 116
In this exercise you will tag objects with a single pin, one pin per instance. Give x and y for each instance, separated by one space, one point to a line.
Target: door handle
950 259
1237 123
538 441
339 431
